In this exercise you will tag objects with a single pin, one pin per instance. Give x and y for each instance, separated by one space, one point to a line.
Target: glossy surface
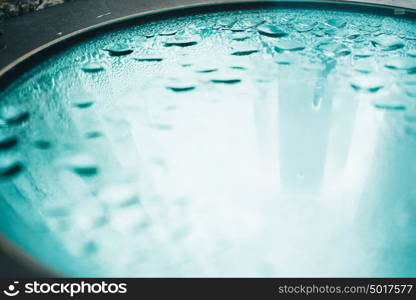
252 143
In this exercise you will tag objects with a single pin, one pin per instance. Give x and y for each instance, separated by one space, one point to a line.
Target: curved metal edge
13 70
27 261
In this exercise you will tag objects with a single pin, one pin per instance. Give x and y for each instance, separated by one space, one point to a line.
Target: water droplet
338 22
240 36
411 52
388 42
205 69
271 30
389 106
82 165
226 22
402 63
238 27
84 105
225 78
352 35
93 134
119 50
181 85
92 67
364 66
12 115
181 41
8 142
244 51
168 32
10 168
289 45
363 53
369 84
410 90
304 27
149 59
238 68
122 195
42 144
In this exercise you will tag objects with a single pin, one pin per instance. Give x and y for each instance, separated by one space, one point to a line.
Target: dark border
16 68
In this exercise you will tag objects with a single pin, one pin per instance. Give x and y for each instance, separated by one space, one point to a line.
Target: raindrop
92 67
205 69
181 86
83 105
369 84
168 32
42 144
240 36
388 43
331 49
390 106
119 50
363 53
93 134
410 90
182 41
8 142
271 30
364 66
411 52
352 35
244 51
338 22
12 115
82 165
402 63
148 59
225 78
289 45
10 168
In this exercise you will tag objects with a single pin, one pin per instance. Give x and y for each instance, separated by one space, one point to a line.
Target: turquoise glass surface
269 142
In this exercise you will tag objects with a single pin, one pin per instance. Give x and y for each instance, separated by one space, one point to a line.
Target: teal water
275 142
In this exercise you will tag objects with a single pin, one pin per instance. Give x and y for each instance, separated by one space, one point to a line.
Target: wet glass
271 142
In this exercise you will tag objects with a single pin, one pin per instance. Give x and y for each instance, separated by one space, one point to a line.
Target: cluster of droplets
179 62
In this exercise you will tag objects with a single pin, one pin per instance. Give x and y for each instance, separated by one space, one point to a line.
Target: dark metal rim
17 67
